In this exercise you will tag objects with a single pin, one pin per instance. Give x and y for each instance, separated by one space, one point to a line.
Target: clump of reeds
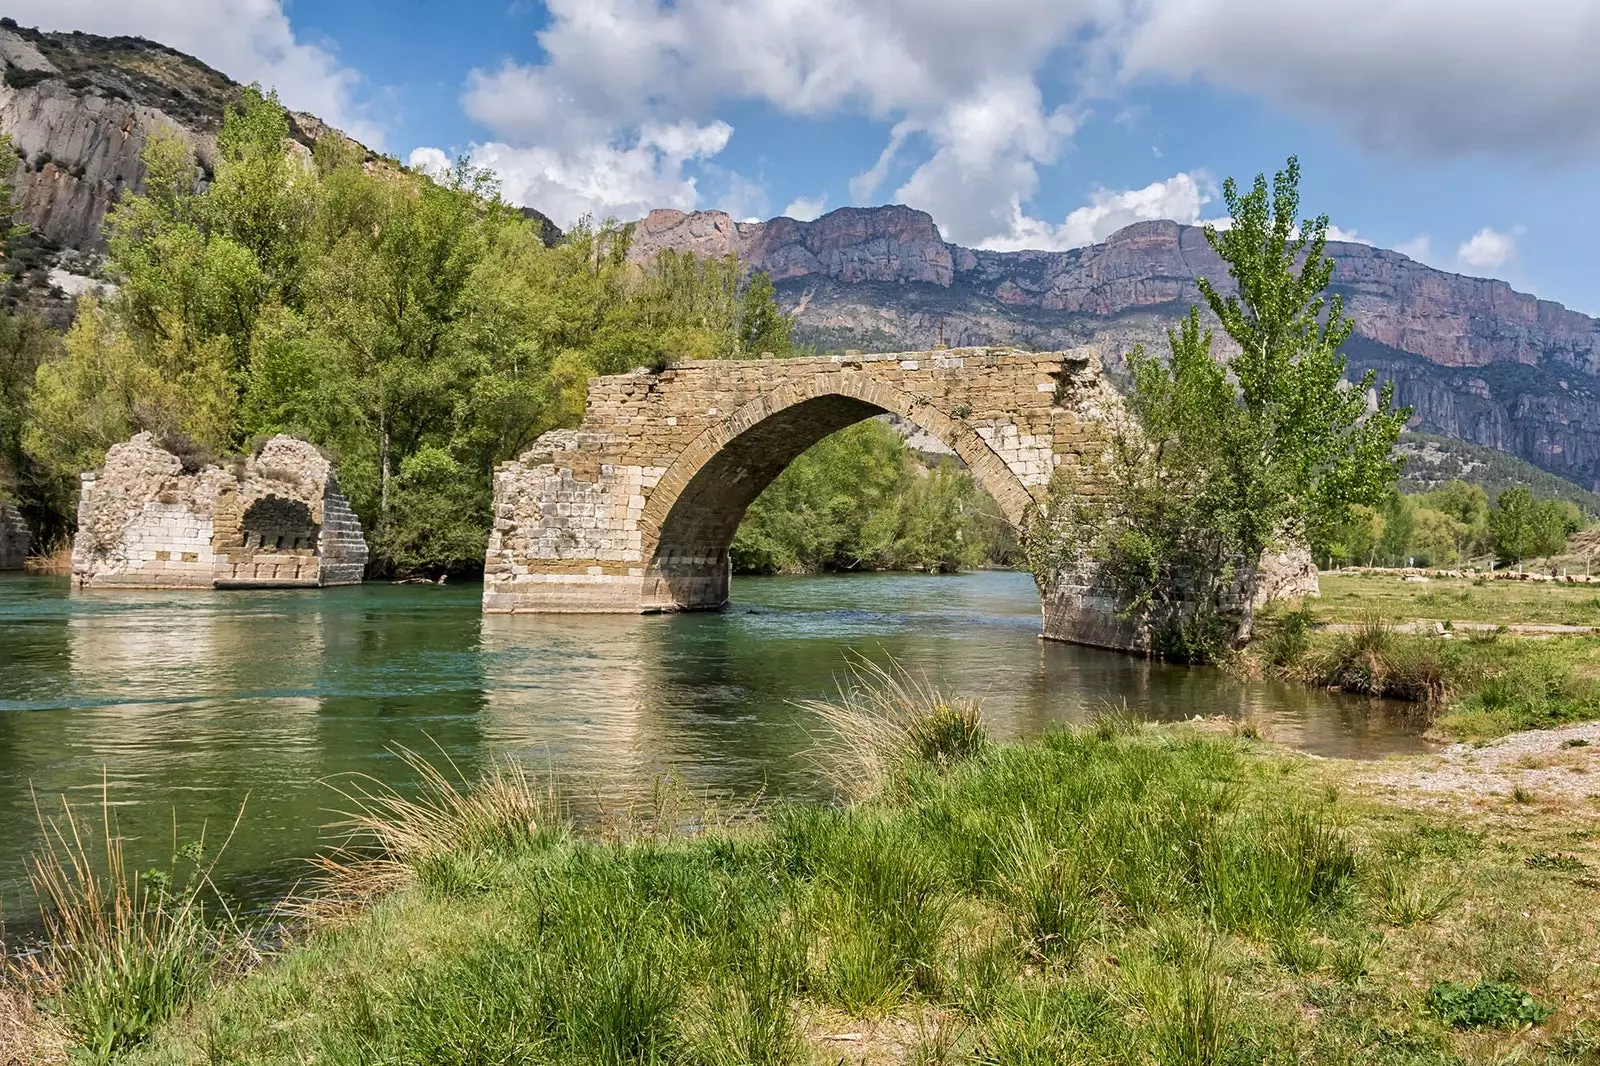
886 719
124 951
391 840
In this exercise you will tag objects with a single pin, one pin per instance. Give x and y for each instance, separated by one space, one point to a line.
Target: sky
1464 133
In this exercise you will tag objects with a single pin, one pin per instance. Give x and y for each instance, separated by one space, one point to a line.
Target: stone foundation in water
14 537
276 519
1083 607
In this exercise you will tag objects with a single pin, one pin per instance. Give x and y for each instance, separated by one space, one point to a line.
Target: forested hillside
419 330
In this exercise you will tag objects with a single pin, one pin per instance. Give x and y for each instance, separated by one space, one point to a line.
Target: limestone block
148 519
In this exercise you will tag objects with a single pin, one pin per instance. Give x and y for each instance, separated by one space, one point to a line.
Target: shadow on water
195 702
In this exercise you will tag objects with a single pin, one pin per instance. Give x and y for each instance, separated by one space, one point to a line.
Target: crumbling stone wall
275 519
13 537
635 509
1082 605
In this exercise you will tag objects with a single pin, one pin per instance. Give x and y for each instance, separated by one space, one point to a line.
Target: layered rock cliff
1478 360
78 109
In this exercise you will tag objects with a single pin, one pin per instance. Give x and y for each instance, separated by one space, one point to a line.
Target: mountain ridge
1477 359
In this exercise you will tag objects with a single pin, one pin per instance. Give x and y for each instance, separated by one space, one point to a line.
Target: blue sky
1464 132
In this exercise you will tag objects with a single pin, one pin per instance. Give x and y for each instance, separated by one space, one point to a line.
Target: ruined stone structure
275 519
13 537
636 508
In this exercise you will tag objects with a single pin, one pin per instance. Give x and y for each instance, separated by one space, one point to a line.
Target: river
184 706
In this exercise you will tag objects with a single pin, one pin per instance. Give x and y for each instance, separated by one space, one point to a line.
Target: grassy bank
1351 598
1114 894
1464 684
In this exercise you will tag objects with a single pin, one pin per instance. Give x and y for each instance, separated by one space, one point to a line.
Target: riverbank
1179 894
1476 659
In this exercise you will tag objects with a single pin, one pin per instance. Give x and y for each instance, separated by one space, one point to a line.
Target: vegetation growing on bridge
1226 461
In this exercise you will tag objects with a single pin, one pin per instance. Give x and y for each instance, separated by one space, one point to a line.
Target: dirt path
1543 766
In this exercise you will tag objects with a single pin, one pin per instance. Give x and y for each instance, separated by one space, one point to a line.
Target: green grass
1111 894
1350 598
1470 685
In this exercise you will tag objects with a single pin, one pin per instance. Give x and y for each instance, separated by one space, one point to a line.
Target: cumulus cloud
1180 198
1487 249
1408 77
1419 248
806 208
956 76
249 40
1349 236
969 133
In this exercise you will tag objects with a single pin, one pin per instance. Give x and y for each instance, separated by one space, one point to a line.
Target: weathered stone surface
275 519
635 510
13 537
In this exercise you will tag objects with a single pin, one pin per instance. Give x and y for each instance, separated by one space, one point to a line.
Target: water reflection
198 702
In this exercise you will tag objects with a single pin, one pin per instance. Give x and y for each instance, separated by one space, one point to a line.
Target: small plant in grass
1575 742
1051 899
442 837
1551 860
1407 898
1491 1005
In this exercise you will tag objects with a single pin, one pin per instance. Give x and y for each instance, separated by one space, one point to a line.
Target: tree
763 328
1232 459
1522 527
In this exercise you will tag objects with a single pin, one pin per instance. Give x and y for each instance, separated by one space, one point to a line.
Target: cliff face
1478 360
79 109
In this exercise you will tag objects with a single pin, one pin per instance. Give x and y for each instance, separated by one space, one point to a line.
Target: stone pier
13 537
276 519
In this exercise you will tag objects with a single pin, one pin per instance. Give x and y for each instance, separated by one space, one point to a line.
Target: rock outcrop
153 519
13 537
1477 360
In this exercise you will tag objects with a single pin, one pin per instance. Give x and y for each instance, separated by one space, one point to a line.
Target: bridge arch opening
695 511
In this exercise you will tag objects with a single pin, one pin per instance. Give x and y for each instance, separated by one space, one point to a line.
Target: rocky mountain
78 109
1478 360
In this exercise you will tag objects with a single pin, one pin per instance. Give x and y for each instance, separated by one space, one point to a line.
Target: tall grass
443 835
124 951
883 719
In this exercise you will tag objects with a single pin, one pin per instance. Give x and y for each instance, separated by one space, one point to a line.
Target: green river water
184 706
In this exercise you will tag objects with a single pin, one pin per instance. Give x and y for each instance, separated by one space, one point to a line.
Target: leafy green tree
763 327
1523 527
1272 447
1467 506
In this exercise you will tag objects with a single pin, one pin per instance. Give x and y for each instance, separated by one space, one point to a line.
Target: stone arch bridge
634 510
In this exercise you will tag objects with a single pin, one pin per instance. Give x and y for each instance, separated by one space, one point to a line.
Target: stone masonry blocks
14 537
274 519
635 509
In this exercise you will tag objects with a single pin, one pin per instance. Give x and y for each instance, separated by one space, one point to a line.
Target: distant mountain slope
79 109
1432 460
1478 360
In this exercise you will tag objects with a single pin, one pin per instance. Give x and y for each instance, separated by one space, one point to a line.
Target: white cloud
248 40
1179 198
957 85
1419 248
1349 236
957 76
806 208
1488 249
1409 77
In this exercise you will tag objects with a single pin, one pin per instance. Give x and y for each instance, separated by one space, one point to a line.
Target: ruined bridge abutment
635 510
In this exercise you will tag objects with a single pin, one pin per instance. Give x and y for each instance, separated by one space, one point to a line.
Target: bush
1493 1005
